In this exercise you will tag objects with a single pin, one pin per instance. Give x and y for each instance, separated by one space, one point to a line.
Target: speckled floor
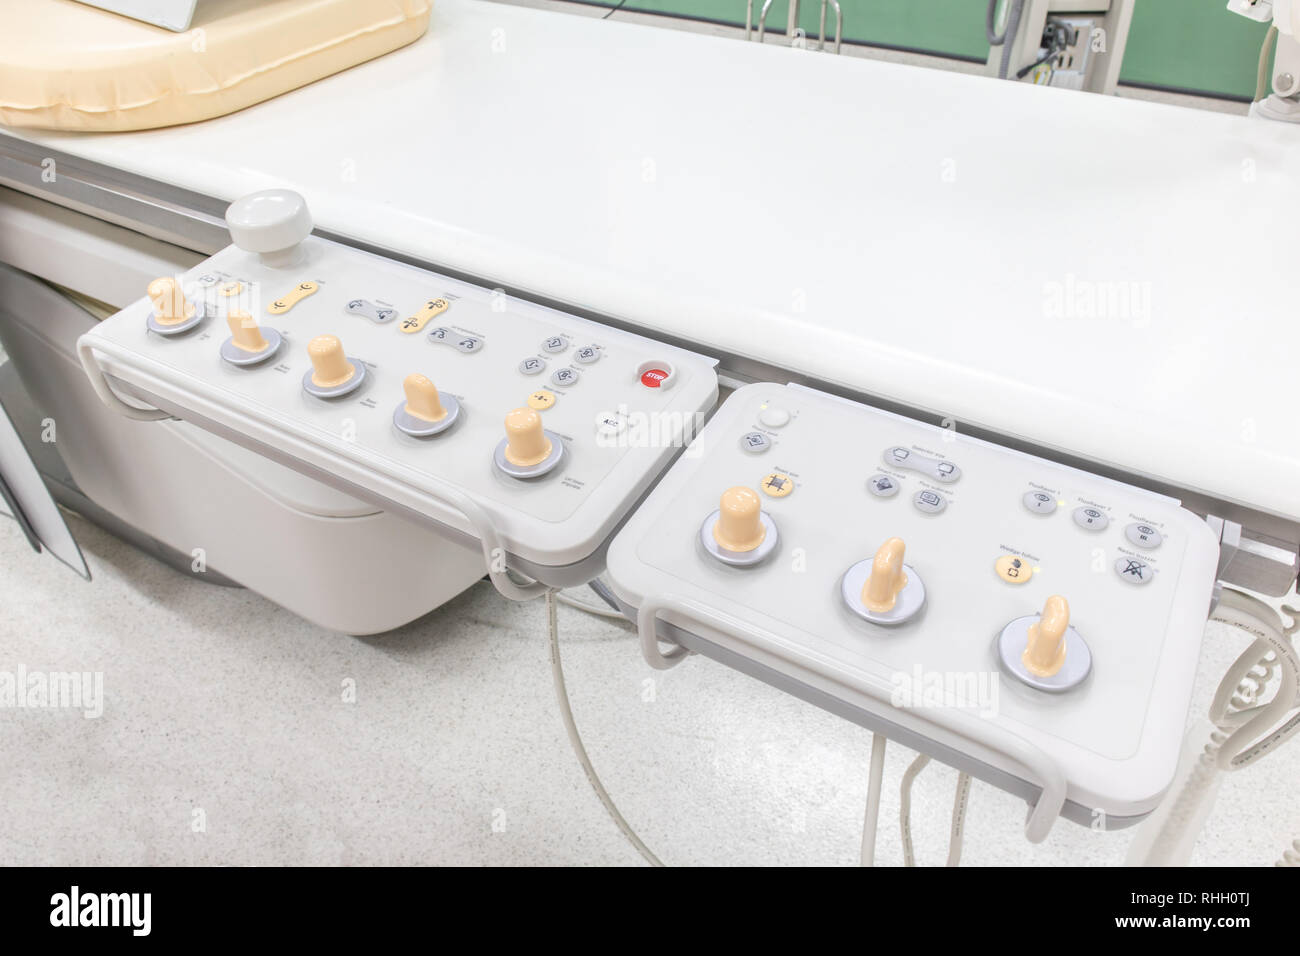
226 739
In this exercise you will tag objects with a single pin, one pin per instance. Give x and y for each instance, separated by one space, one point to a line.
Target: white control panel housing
619 403
936 682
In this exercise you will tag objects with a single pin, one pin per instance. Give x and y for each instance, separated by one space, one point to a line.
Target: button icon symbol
1133 570
1013 569
882 486
777 485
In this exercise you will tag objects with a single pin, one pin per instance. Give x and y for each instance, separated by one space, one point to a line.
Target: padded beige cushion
65 65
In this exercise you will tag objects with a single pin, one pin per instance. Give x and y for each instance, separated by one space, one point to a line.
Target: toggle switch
172 312
740 533
883 589
528 450
425 412
1044 650
248 343
332 373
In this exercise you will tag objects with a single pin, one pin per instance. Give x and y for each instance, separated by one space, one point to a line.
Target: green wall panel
1180 44
1193 45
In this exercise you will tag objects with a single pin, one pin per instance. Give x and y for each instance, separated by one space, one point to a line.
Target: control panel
1036 623
494 416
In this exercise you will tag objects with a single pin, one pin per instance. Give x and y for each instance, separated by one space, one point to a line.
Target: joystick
248 344
424 412
740 533
1043 650
882 589
528 450
332 373
172 312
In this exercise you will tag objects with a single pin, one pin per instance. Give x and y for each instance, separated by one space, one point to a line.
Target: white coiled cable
1241 733
1292 856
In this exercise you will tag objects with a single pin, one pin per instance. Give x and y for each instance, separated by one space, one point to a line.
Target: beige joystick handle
244 332
170 307
1045 651
526 442
880 591
740 523
422 399
330 367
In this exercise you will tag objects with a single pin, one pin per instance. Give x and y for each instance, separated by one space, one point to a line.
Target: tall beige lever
422 399
880 592
170 307
244 332
1045 651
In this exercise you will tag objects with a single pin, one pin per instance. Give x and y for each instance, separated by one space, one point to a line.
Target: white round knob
271 222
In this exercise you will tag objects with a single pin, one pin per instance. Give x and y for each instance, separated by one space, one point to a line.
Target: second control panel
860 553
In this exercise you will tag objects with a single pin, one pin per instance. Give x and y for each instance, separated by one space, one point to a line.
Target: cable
959 804
1292 856
905 806
614 9
1237 720
575 739
590 607
1062 36
1229 708
990 15
1014 10
1261 73
872 814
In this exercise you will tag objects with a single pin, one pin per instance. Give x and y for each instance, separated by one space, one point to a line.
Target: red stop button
653 377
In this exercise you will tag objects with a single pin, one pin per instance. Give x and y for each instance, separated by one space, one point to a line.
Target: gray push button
931 502
1090 519
532 366
564 377
372 311
1134 570
755 442
1039 502
470 344
1144 536
443 335
587 354
882 486
555 344
939 469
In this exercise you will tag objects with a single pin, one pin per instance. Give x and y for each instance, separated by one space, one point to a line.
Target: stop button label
653 377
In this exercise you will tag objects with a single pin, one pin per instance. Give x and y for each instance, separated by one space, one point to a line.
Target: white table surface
898 230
